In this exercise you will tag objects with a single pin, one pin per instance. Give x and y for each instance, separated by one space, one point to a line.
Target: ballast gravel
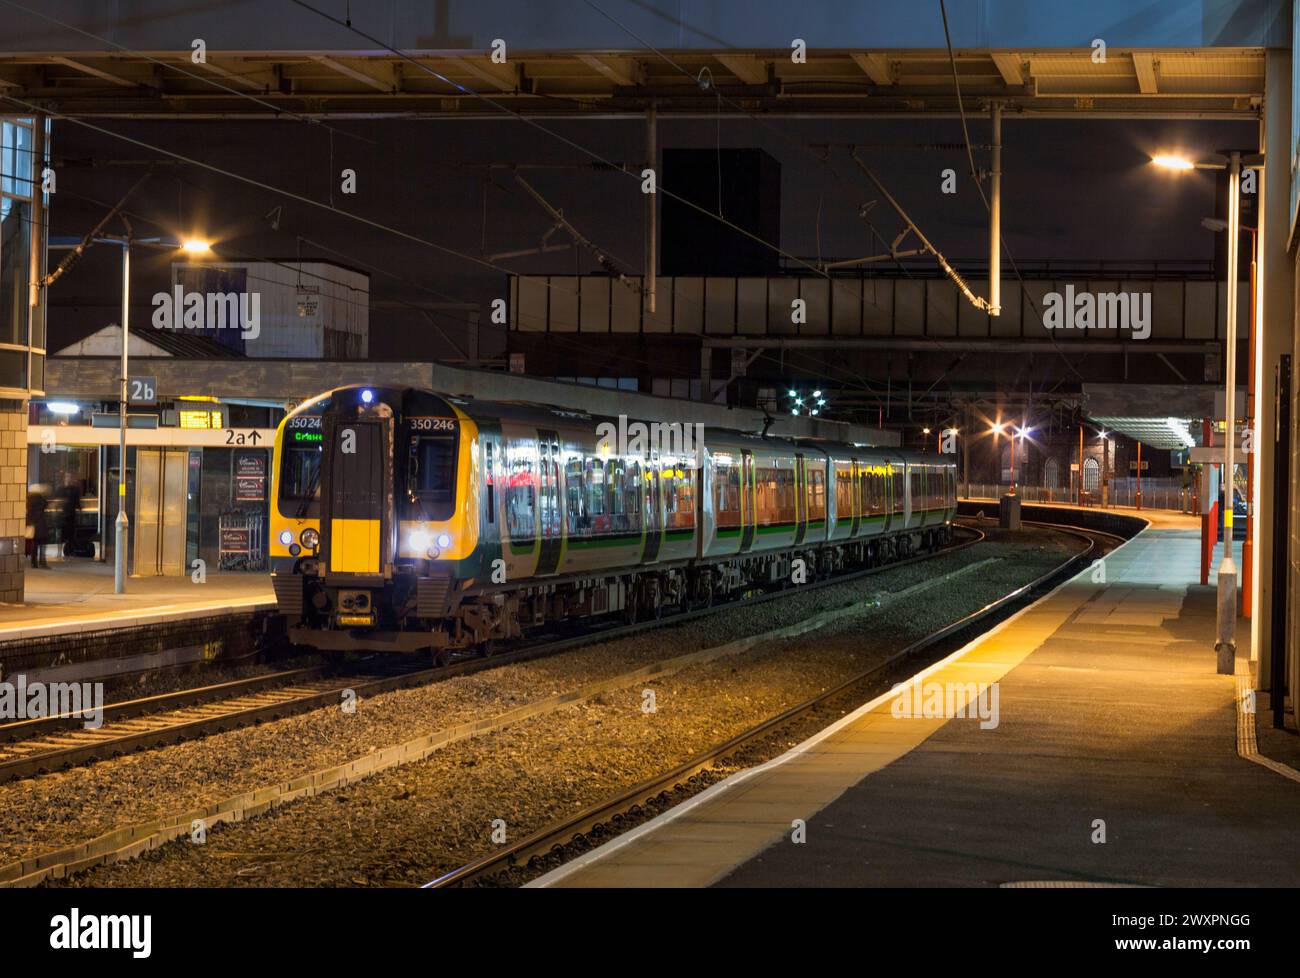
407 824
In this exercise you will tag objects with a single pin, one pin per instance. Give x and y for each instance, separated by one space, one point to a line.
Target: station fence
1157 493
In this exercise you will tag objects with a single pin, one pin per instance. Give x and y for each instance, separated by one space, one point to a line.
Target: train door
549 516
356 491
887 493
800 499
748 501
652 492
909 497
854 501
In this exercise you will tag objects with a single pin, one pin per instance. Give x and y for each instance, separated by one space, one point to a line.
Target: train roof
532 412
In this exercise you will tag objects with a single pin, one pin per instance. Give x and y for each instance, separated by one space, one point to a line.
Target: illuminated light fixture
367 396
925 431
814 411
1179 428
817 393
794 393
444 540
62 407
1022 432
286 537
1103 436
1170 162
794 411
196 246
996 428
420 540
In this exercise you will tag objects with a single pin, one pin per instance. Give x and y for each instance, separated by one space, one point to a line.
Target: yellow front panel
354 546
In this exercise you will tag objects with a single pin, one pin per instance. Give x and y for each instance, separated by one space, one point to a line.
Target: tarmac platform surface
1119 757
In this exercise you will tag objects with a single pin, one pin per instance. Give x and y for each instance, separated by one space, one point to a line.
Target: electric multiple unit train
405 520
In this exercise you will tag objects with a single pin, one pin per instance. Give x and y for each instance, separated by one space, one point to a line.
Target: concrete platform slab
1114 759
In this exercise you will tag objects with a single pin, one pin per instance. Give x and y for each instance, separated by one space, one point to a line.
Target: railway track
593 826
29 748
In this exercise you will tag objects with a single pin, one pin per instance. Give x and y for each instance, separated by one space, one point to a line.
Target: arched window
1052 474
1091 475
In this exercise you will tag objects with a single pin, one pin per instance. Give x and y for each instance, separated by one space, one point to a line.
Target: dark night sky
1080 190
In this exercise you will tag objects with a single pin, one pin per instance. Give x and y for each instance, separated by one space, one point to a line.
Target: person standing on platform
38 526
70 508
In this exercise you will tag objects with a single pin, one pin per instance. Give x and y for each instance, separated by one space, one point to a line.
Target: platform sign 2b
142 390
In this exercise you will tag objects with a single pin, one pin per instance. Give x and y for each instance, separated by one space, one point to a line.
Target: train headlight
444 541
286 537
294 549
310 538
419 540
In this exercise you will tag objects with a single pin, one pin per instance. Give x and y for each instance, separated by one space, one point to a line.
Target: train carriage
405 520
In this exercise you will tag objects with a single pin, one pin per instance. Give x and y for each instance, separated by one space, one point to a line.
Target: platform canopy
613 57
1173 434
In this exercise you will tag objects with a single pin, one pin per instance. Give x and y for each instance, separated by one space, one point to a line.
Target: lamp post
122 523
1225 645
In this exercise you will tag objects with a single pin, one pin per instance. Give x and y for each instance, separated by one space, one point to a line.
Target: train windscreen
300 460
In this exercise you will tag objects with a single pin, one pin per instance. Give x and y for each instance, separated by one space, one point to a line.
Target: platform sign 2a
142 390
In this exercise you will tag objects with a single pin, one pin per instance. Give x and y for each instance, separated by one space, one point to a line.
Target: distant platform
78 594
1117 758
1158 518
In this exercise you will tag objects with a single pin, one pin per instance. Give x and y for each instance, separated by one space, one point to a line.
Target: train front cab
392 501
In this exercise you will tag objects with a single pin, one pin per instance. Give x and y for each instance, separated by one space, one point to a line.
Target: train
405 520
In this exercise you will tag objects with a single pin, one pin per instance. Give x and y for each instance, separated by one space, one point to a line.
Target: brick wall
13 497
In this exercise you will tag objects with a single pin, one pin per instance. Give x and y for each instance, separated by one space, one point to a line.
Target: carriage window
816 494
726 494
629 493
843 493
679 497
576 499
520 497
595 484
785 493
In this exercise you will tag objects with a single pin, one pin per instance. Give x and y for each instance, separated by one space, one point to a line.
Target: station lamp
814 403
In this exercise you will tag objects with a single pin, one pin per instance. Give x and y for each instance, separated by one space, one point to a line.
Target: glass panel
16 159
15 241
13 368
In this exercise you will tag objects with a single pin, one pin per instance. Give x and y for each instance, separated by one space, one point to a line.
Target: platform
76 595
1114 760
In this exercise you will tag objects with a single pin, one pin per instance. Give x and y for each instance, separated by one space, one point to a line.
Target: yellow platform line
701 840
